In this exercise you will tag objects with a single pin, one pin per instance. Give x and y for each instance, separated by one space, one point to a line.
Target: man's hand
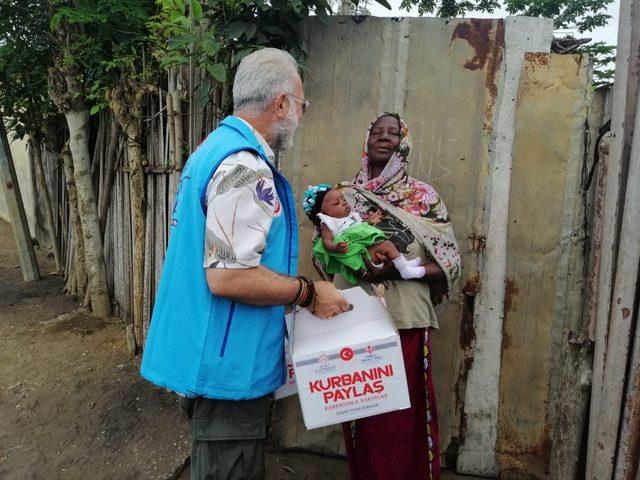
343 247
328 301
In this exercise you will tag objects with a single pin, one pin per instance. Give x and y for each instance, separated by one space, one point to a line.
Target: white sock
408 273
406 270
400 262
416 262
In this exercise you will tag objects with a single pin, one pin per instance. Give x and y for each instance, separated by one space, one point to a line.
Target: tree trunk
111 161
79 265
78 123
136 182
171 144
19 224
126 103
178 130
36 148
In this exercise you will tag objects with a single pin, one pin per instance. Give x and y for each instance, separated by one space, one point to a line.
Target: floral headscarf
394 185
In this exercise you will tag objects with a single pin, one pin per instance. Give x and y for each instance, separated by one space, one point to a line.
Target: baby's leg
388 250
382 250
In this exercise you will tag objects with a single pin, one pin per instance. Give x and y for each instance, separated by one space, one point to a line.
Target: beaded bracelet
306 292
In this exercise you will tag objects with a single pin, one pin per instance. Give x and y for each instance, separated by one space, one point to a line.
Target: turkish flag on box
349 366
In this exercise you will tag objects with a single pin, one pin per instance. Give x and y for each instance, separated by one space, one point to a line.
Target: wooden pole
625 91
620 331
16 210
570 406
36 146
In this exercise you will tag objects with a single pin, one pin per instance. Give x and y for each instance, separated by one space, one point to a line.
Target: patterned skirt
400 445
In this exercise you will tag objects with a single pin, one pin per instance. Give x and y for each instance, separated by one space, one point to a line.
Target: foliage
214 35
604 59
450 8
104 40
25 55
583 15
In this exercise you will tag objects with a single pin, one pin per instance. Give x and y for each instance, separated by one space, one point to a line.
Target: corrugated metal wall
446 78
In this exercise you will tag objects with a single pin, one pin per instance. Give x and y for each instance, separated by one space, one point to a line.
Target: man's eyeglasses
304 103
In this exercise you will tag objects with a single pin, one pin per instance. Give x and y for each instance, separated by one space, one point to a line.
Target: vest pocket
227 328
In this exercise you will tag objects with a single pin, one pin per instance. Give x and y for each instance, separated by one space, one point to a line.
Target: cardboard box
350 366
289 388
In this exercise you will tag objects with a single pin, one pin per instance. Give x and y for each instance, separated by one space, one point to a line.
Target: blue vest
200 344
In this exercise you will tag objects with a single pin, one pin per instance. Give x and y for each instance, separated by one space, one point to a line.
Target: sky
608 34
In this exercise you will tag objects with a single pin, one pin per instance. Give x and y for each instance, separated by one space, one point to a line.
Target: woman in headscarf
403 445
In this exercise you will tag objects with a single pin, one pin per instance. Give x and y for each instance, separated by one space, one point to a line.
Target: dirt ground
72 405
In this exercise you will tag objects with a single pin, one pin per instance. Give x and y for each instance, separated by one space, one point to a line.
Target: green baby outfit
357 234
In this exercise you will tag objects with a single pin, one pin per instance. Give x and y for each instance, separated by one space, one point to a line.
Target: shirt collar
265 146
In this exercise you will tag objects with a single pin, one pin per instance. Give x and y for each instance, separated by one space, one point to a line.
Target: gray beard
283 133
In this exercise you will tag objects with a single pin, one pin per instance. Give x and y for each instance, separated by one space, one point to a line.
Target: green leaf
202 92
261 39
181 41
218 71
196 8
250 31
236 28
95 109
210 46
241 54
273 29
175 60
384 3
322 15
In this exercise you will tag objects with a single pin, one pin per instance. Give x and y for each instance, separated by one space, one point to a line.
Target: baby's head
324 199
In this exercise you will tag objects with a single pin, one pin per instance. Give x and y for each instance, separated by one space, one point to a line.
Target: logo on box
346 354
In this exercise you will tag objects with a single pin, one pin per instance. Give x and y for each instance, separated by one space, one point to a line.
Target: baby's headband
310 200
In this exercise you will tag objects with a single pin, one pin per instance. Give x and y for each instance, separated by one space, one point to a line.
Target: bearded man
217 330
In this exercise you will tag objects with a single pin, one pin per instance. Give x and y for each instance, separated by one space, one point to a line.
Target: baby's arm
327 241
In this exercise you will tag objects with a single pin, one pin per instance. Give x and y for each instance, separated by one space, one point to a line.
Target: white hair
261 77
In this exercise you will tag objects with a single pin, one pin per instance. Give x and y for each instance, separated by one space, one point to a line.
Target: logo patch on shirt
277 207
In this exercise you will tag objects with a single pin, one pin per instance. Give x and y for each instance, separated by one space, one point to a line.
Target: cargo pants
228 437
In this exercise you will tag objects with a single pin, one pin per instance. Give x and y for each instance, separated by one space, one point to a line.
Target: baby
347 244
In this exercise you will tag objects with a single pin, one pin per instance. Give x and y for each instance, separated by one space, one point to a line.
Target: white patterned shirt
241 204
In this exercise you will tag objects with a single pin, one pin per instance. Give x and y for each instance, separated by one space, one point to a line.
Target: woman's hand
380 274
434 273
375 218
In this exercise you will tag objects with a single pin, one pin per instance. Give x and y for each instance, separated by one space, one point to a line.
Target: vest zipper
226 331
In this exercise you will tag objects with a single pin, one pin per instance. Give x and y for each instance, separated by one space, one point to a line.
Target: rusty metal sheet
545 248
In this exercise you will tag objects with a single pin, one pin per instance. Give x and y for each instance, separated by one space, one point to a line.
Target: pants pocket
228 439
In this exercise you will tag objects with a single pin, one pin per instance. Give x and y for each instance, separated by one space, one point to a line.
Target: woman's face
384 138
